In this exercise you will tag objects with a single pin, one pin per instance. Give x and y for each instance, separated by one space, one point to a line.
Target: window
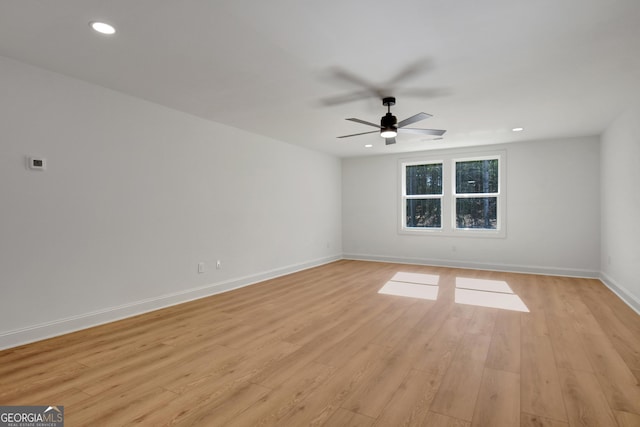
470 202
476 194
423 195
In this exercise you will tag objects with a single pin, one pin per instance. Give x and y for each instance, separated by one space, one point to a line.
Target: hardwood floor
322 347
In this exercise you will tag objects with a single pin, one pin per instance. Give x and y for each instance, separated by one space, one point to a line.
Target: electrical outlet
201 267
218 265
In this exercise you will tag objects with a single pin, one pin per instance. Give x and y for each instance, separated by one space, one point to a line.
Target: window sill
473 233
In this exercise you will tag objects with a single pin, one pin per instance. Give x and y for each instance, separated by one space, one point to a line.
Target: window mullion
447 199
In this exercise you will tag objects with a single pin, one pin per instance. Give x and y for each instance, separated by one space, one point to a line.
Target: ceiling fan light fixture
389 132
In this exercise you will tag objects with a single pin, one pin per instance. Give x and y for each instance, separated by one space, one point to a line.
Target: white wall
134 196
552 213
620 175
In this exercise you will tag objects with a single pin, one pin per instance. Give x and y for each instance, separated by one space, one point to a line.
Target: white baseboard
621 292
512 268
58 327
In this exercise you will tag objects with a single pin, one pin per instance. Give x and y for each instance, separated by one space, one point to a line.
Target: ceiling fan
389 126
368 89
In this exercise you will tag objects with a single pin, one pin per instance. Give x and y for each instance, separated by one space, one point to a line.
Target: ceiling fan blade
343 99
418 67
413 119
424 93
356 134
352 78
389 141
436 132
363 122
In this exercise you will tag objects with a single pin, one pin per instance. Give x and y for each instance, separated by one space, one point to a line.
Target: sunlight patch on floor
483 285
419 278
412 290
488 293
412 285
469 290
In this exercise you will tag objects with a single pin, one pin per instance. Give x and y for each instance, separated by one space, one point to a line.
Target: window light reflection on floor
419 278
469 291
412 290
483 285
488 293
412 285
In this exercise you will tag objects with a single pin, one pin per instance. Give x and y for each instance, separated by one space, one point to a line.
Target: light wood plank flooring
321 347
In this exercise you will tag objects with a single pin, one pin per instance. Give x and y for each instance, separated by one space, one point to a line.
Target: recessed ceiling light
517 129
102 27
368 146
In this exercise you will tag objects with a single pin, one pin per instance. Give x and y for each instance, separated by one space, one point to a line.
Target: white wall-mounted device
37 163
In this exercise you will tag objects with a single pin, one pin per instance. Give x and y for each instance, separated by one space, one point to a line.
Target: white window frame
404 197
449 196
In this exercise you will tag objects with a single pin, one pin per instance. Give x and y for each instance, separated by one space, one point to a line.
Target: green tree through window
423 188
476 194
453 195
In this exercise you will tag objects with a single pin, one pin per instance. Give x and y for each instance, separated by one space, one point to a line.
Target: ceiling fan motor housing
388 121
388 128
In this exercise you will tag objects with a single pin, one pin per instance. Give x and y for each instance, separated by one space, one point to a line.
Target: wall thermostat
37 163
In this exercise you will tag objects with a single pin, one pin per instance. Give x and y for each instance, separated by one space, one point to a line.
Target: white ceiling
558 68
